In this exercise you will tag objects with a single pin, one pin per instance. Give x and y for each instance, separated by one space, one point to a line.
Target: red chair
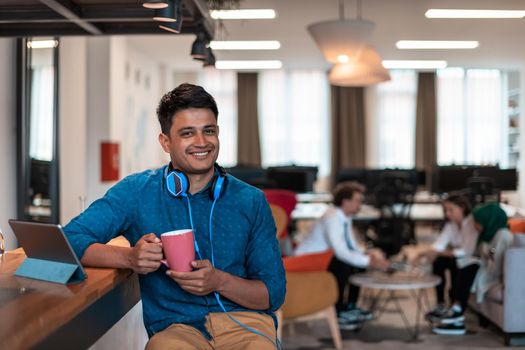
282 203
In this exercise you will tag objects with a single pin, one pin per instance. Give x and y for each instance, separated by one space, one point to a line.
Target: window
469 116
294 118
391 110
222 85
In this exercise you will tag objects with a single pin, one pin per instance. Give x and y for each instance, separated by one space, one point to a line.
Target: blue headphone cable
277 342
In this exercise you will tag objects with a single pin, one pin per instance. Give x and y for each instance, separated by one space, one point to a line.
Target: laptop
48 252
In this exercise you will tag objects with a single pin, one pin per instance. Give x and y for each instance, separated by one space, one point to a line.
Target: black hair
346 190
459 200
184 96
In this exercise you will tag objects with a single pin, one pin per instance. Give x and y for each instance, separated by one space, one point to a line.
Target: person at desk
334 231
451 251
485 269
239 273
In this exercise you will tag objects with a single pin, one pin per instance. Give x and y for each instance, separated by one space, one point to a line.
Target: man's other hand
378 262
201 281
146 255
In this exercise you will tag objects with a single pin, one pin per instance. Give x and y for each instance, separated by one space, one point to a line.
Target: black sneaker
436 314
357 314
348 325
453 315
456 328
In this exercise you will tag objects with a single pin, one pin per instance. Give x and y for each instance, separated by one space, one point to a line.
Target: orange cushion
308 262
517 225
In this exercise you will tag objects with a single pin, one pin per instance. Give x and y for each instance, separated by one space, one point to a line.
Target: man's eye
186 134
210 132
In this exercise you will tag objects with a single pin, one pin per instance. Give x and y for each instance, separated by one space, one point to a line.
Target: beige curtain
348 128
426 128
248 144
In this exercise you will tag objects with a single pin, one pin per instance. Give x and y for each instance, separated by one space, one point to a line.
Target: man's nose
200 139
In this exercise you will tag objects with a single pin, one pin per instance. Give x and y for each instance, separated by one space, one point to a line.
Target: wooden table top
31 310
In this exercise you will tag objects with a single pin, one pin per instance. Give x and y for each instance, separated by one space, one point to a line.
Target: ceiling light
414 64
245 45
167 14
364 69
270 64
42 44
210 59
457 13
342 37
243 14
176 26
343 58
436 44
198 48
155 4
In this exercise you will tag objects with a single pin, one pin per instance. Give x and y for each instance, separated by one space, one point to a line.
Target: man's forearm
101 255
251 294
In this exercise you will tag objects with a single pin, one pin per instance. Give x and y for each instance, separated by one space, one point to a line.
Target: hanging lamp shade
361 70
198 48
155 4
341 37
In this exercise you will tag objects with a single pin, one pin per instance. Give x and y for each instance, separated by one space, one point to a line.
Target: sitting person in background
494 238
334 231
452 249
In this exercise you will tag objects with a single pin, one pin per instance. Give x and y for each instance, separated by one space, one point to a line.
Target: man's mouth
200 154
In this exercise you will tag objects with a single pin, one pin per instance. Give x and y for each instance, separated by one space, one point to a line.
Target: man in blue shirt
233 228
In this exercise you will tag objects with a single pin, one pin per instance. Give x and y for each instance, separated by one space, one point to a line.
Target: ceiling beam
69 11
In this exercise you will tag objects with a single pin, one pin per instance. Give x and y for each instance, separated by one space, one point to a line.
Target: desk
42 315
418 212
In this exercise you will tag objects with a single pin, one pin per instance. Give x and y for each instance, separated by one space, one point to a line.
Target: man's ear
164 141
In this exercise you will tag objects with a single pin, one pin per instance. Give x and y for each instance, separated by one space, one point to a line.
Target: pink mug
179 249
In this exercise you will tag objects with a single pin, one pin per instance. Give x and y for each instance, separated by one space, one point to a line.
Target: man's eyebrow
187 128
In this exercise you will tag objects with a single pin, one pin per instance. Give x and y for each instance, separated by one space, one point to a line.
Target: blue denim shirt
244 241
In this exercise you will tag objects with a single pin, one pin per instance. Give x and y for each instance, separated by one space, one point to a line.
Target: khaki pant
226 334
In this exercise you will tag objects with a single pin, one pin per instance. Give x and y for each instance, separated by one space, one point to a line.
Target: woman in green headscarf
481 273
493 240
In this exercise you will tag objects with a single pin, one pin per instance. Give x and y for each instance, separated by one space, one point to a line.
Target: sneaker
356 314
453 315
348 325
436 314
456 328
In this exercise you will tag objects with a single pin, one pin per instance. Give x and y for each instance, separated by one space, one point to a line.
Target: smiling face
193 141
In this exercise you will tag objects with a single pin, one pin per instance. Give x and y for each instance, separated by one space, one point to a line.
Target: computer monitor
295 178
504 179
451 178
39 179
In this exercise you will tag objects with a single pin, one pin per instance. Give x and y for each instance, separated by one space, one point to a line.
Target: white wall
7 138
72 127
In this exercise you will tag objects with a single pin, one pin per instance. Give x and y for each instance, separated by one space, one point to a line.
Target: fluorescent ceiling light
416 64
436 44
245 45
243 14
42 44
456 13
270 64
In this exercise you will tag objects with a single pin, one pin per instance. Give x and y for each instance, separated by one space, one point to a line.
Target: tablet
46 242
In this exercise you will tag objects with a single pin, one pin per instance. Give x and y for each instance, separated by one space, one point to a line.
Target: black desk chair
481 190
393 196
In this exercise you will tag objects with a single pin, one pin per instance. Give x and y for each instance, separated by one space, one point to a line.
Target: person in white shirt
452 251
334 231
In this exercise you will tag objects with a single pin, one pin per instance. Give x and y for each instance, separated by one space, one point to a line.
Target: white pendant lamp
361 70
343 36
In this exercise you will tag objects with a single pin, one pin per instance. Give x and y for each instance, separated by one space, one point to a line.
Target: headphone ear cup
177 183
217 187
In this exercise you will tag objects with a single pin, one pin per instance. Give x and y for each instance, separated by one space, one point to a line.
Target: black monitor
504 179
295 178
351 174
451 178
39 179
